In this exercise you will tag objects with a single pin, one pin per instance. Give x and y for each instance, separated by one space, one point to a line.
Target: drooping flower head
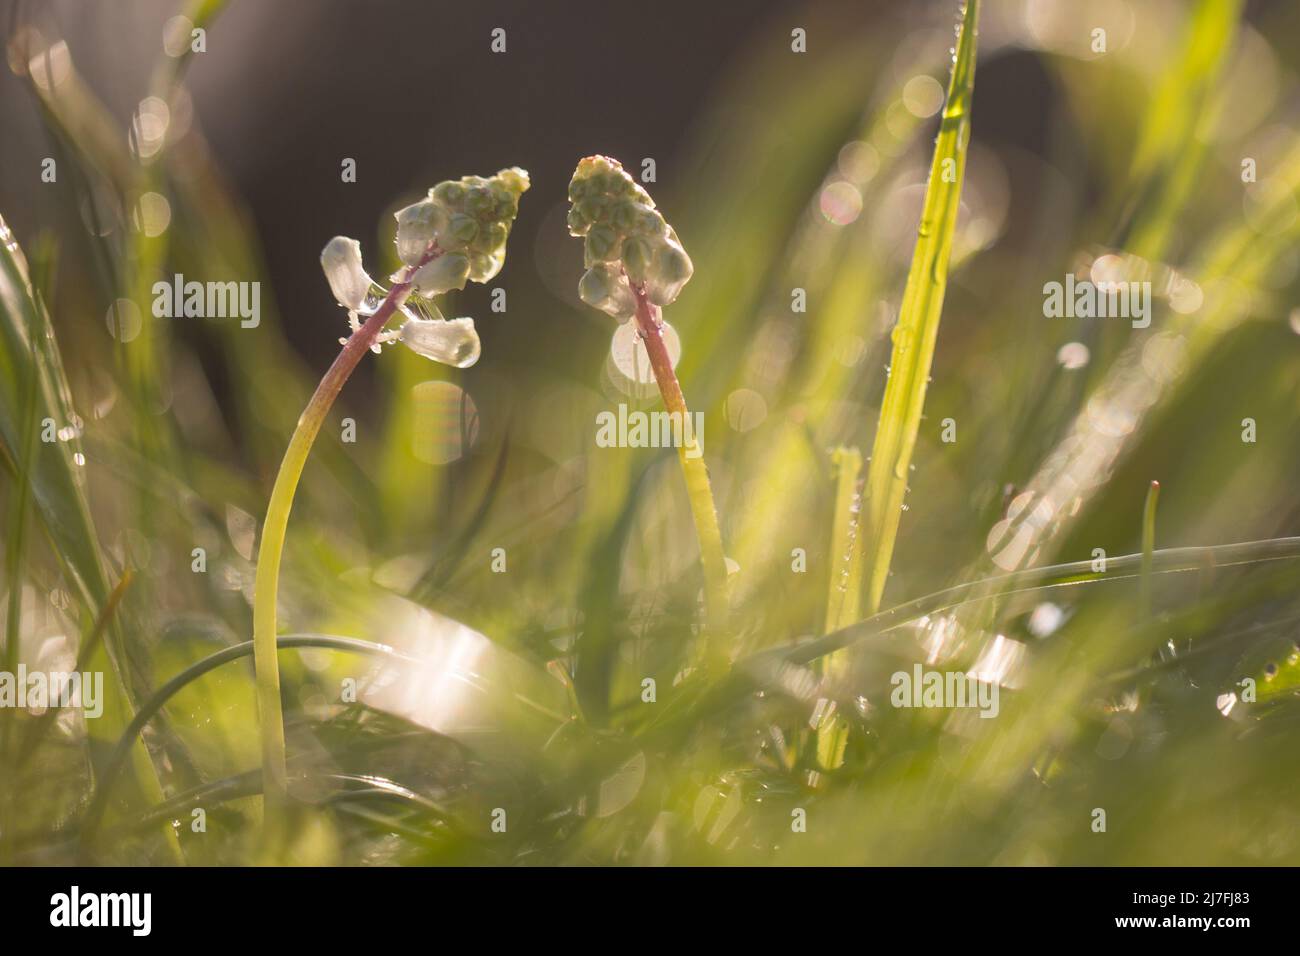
457 234
628 243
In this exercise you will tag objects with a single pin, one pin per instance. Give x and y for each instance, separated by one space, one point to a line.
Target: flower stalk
271 548
458 233
698 489
635 266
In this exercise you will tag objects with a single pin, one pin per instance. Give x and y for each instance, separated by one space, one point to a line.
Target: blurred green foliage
521 697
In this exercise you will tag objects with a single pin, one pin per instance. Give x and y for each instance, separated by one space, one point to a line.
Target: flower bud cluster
469 219
628 243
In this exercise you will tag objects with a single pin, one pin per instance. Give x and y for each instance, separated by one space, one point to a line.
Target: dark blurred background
413 93
289 88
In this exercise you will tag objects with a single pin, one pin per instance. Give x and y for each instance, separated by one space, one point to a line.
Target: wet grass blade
1178 126
918 321
844 592
29 353
1148 544
87 650
845 586
34 394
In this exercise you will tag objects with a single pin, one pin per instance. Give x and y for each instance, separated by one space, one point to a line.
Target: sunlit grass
503 617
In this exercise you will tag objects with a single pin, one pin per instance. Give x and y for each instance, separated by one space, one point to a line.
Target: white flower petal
341 261
450 341
448 271
418 225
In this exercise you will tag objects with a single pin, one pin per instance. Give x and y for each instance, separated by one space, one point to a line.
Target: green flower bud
448 271
483 266
622 216
514 180
595 285
481 203
494 236
462 228
478 215
649 222
592 208
341 262
606 288
418 225
450 194
624 233
671 269
578 223
507 204
636 258
603 245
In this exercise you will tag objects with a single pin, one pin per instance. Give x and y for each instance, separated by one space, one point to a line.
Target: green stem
842 599
917 330
690 454
846 553
266 585
1148 545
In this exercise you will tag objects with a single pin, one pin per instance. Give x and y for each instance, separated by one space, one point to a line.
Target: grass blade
918 321
1178 127
843 592
1148 544
97 805
845 586
31 365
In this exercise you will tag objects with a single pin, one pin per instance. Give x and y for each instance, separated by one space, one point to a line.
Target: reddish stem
274 528
699 493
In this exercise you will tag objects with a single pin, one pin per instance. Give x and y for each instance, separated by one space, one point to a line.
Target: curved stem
266 584
690 454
